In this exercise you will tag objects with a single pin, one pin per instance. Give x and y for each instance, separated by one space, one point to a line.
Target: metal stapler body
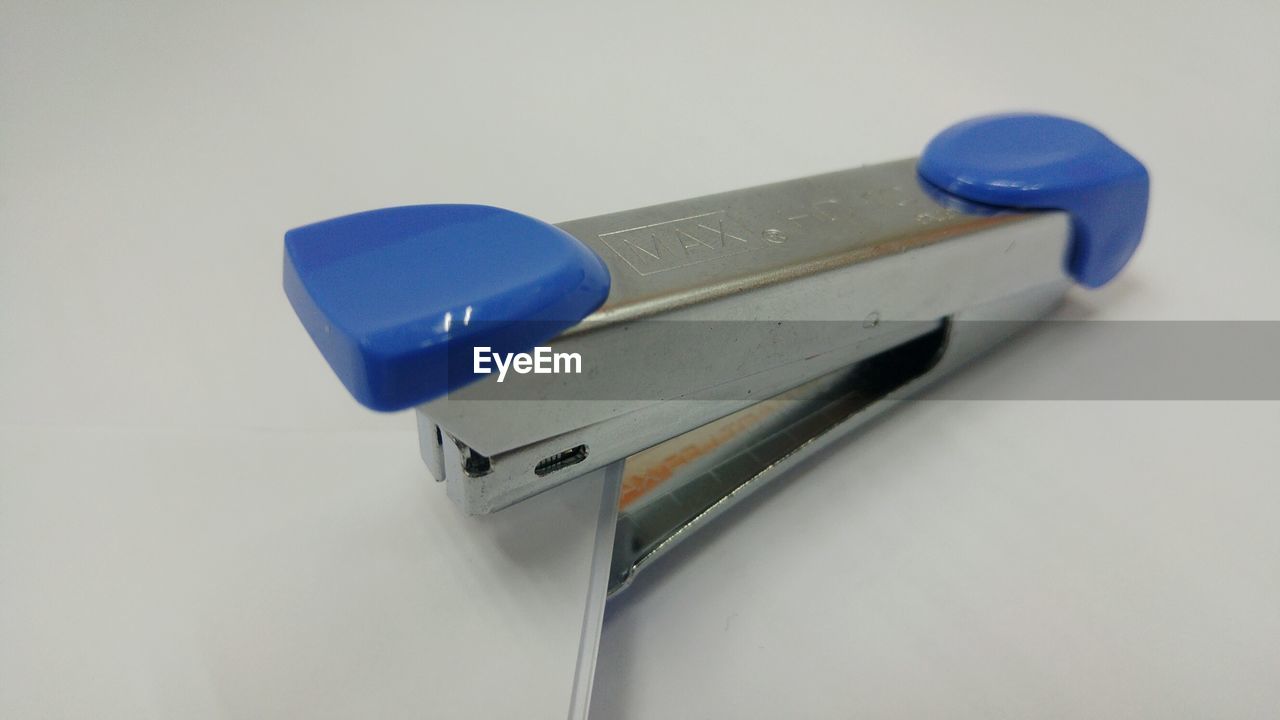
721 339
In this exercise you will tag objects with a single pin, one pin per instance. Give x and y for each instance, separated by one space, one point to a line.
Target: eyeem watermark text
542 361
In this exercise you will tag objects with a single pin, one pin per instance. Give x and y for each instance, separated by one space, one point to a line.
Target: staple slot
561 460
709 464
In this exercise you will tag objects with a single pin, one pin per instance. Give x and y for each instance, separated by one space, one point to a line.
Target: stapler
696 349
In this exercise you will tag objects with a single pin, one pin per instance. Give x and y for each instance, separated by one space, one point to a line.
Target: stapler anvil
700 347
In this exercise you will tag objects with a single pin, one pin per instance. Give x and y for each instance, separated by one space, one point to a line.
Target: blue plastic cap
396 299
1043 162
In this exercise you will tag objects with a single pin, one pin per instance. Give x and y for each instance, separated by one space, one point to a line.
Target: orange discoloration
652 468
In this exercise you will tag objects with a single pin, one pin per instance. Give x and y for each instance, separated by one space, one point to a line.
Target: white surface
956 560
316 574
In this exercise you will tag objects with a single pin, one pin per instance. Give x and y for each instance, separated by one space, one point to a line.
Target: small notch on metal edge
473 463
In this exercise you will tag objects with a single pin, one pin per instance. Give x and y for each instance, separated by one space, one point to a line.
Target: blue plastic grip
396 299
1030 161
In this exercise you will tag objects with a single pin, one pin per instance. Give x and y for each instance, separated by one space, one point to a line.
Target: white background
961 559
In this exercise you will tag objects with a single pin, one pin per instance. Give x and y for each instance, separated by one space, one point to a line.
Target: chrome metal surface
805 420
686 335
